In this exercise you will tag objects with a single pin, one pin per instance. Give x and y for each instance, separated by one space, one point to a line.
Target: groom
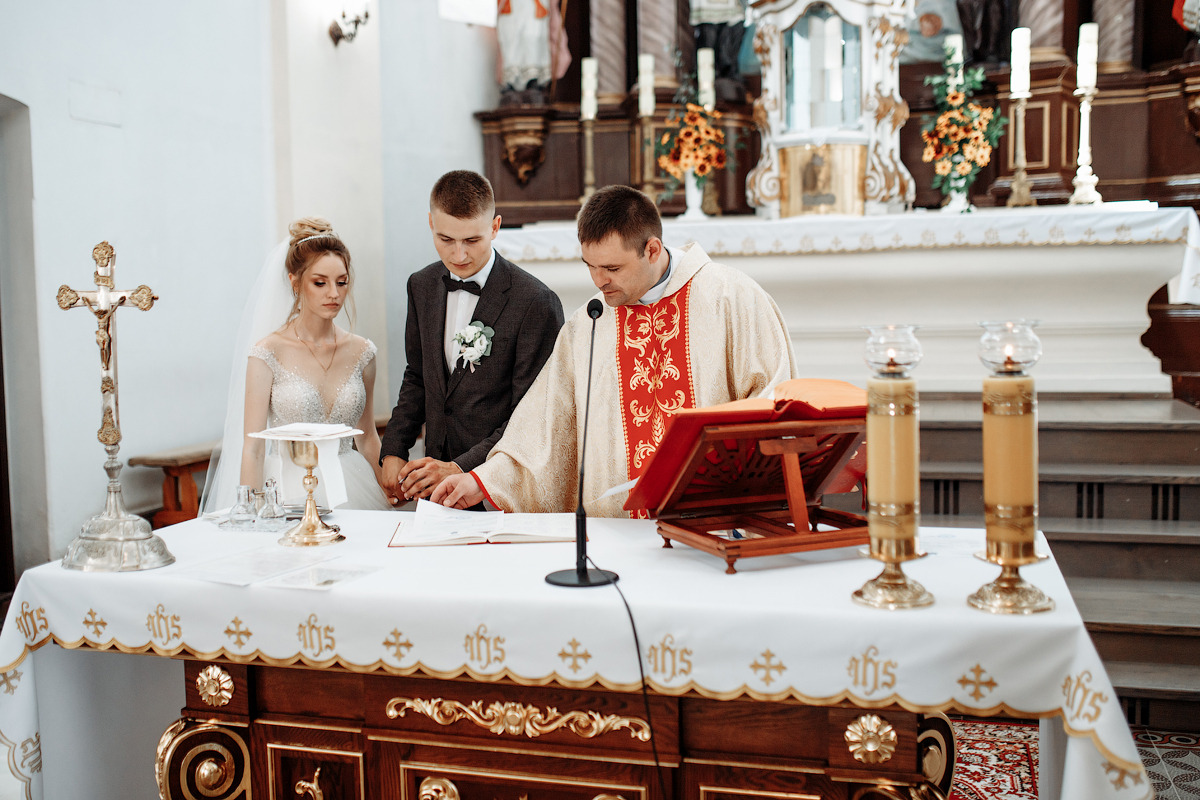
462 380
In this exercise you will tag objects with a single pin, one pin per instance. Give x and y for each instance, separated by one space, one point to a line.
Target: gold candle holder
311 530
893 469
1010 480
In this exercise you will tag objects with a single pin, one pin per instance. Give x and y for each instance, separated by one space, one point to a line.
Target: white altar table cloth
783 627
1085 273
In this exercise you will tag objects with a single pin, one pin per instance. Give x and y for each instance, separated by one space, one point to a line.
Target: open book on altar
433 525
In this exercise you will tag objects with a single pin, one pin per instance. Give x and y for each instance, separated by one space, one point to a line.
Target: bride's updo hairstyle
313 237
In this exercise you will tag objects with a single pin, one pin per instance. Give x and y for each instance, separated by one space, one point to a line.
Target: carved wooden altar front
272 732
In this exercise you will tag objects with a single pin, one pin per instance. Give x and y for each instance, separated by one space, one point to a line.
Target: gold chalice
311 530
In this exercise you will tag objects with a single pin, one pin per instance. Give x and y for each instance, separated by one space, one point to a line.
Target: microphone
582 576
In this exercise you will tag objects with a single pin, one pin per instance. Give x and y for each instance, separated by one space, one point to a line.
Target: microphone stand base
573 577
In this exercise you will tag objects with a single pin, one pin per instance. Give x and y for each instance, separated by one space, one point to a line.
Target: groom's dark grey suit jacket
465 412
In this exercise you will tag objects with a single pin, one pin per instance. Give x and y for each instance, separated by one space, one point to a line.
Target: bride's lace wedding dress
300 392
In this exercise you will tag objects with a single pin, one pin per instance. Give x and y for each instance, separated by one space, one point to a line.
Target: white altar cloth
783 627
1085 272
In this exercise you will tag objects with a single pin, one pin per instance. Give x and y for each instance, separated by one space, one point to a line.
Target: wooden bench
181 499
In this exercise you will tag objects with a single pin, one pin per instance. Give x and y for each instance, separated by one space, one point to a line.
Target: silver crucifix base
115 540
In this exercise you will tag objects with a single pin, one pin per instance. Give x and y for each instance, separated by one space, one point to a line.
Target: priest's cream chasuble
715 336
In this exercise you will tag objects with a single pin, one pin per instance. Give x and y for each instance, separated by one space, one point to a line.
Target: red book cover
799 399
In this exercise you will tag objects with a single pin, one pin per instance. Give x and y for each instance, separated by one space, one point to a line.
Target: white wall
327 148
435 76
150 128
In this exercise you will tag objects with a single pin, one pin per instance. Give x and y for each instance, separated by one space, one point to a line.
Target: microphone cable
658 768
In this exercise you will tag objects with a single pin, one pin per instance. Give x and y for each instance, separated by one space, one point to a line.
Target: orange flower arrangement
696 145
959 142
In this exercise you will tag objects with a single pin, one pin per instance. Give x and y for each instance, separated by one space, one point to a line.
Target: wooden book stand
761 480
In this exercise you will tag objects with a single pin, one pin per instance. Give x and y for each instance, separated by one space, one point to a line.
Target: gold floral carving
143 297
871 739
109 433
438 789
311 788
102 254
517 719
107 386
67 297
215 686
765 36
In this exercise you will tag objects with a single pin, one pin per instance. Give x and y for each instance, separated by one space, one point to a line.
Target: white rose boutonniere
474 342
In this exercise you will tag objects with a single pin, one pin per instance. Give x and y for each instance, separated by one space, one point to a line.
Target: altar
1086 272
406 657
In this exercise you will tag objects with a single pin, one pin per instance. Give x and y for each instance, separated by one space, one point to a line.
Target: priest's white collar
658 290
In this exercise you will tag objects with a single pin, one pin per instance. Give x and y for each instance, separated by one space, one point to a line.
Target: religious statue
817 180
986 27
533 50
721 25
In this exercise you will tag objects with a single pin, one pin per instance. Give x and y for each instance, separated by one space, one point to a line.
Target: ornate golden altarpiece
887 186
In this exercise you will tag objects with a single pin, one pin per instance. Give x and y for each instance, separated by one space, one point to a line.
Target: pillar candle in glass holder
646 85
1089 43
893 472
1019 79
705 76
1010 457
588 80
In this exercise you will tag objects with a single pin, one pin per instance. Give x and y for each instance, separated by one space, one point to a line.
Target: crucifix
114 540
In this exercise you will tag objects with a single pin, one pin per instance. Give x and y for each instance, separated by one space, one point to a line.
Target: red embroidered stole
539 10
654 373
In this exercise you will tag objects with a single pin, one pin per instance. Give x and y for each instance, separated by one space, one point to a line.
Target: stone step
1094 491
1080 429
1145 474
1083 445
1144 621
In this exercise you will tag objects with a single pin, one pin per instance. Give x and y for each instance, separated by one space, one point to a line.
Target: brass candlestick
589 160
1020 194
893 469
647 131
311 530
1010 481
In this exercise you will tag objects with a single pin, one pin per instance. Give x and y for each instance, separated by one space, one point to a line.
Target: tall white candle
646 85
1089 38
1019 80
954 42
588 71
705 76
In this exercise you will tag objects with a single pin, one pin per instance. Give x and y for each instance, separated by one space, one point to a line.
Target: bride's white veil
267 308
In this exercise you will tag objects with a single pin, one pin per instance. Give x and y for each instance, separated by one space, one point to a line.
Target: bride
301 367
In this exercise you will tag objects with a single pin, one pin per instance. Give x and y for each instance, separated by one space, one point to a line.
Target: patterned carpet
998 760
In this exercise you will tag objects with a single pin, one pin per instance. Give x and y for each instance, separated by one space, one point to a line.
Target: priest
680 331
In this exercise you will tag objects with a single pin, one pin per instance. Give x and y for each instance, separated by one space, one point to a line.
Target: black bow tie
453 285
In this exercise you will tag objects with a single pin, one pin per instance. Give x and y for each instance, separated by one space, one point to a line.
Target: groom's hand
418 478
392 465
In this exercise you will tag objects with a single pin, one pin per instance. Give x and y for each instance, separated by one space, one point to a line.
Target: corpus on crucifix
114 540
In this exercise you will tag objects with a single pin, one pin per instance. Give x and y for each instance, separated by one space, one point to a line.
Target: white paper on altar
472 12
251 566
320 577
